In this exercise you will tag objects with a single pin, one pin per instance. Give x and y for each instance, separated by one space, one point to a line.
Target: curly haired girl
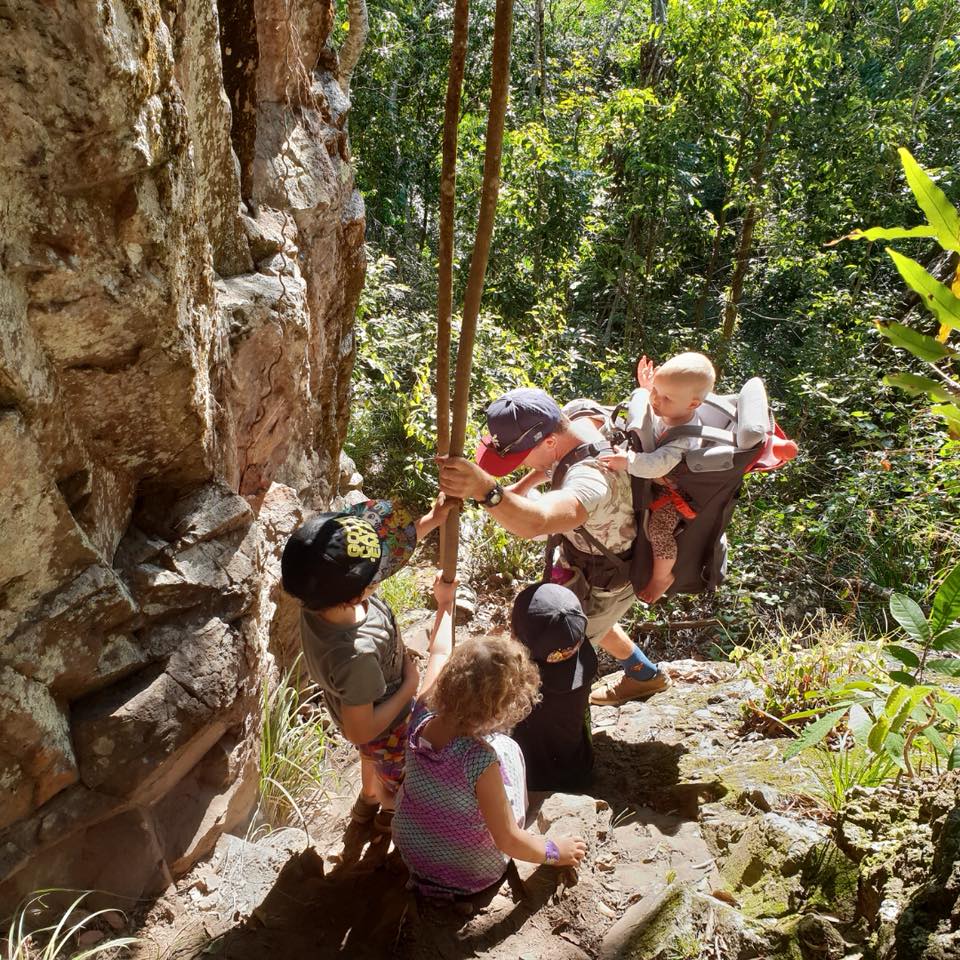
462 806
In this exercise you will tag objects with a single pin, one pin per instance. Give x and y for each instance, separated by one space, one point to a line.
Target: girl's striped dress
438 827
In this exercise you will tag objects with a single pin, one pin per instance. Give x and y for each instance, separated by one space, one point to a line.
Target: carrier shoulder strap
586 451
711 435
724 406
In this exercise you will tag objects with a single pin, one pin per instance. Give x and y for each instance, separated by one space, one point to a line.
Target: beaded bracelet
551 852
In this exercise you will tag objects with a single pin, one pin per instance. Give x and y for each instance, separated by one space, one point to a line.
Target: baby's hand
572 851
645 372
616 461
444 593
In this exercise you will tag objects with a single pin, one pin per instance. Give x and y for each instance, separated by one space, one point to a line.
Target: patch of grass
796 665
837 771
402 592
294 772
498 557
57 938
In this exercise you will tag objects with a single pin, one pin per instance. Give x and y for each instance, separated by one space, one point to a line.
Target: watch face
494 496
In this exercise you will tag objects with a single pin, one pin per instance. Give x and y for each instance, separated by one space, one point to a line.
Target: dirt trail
345 896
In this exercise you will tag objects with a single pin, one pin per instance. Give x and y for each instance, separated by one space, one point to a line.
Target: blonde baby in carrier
677 389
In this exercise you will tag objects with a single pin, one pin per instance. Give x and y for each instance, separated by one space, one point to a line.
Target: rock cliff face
180 259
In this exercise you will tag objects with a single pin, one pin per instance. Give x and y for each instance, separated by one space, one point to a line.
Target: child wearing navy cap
555 738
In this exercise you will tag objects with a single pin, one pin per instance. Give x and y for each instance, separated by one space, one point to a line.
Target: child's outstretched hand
645 372
444 593
572 851
435 516
616 461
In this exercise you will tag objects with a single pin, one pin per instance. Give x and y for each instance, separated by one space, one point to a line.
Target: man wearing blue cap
590 505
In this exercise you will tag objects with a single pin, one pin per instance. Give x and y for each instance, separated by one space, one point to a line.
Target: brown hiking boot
627 689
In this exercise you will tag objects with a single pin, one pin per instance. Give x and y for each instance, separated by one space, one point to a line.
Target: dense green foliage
673 182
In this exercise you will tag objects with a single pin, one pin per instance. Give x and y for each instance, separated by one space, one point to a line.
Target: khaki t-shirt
357 663
608 499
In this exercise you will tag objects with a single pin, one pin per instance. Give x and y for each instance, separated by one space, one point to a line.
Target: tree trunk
353 45
745 243
499 89
701 306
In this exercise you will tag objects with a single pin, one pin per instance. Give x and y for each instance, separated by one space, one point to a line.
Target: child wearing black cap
352 648
555 738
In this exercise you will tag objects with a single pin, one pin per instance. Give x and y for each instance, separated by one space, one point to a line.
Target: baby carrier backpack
737 435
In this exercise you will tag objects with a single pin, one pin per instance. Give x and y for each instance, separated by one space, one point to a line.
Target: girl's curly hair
487 686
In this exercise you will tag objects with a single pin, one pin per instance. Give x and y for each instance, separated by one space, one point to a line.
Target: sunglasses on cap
512 445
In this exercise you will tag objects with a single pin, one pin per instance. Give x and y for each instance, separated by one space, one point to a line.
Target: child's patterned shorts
386 754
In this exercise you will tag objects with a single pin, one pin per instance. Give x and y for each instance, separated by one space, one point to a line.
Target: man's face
543 455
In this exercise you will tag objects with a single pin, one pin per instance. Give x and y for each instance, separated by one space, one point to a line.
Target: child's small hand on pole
436 515
444 593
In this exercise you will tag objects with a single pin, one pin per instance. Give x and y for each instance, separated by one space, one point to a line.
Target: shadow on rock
648 773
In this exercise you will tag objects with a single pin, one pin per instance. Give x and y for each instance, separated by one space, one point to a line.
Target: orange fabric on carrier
672 496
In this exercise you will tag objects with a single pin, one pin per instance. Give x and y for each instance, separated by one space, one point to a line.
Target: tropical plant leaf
950 668
946 602
934 736
919 344
907 679
906 657
886 233
936 297
812 712
946 710
908 614
893 747
878 734
954 760
939 211
948 640
814 733
859 723
951 413
916 385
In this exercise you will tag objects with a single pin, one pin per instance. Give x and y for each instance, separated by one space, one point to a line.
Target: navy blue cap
549 621
517 422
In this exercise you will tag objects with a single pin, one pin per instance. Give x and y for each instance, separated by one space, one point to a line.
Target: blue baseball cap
517 422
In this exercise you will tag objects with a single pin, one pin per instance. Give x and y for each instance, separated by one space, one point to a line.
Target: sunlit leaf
946 603
885 233
919 344
948 640
936 297
909 615
814 733
916 385
950 668
905 656
936 739
939 211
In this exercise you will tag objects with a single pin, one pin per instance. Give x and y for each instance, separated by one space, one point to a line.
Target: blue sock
638 666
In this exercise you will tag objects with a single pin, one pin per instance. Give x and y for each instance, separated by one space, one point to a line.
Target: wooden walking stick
499 88
448 198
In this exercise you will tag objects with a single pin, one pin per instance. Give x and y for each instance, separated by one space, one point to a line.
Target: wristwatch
494 496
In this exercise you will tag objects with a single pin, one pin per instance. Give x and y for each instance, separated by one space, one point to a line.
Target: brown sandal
363 811
383 822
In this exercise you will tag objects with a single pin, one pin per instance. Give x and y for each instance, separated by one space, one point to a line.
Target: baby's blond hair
486 686
693 369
